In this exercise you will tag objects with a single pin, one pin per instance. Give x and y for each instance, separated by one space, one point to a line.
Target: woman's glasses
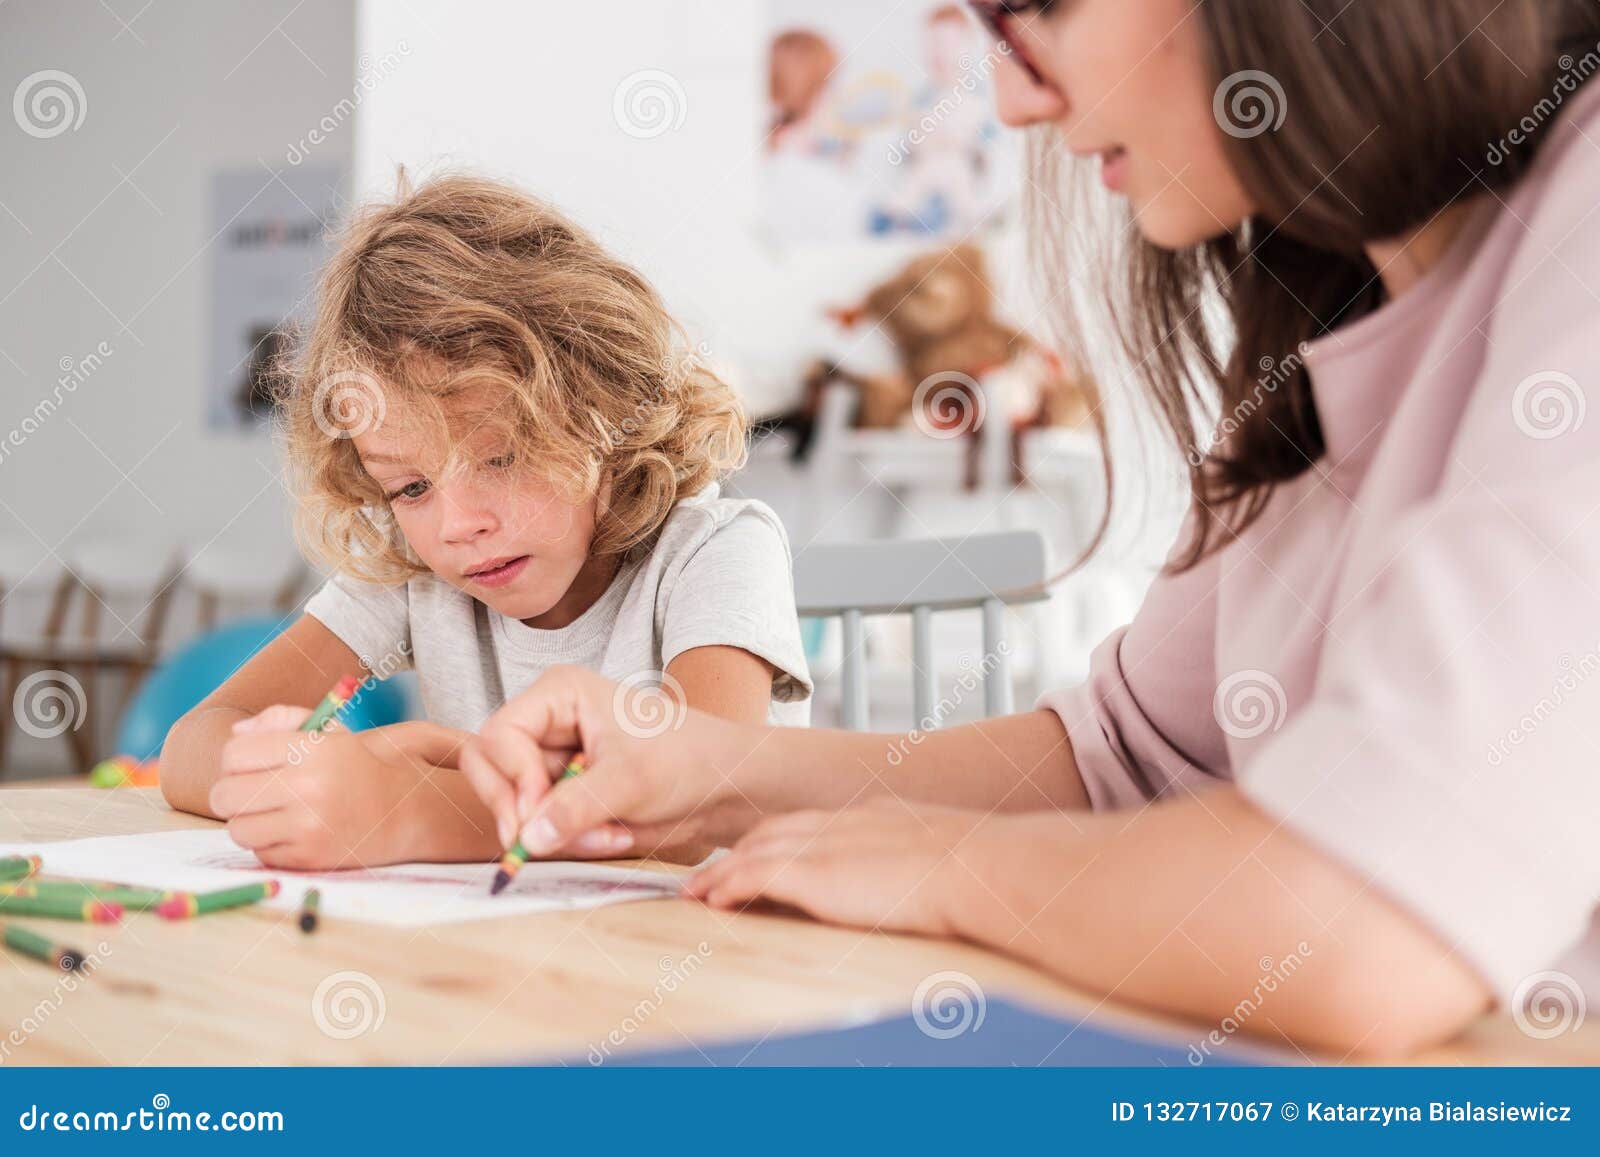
994 15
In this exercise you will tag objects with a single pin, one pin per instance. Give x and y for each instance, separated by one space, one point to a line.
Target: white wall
526 92
105 231
104 238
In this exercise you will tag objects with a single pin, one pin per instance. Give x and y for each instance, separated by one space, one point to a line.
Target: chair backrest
920 577
226 578
127 581
33 597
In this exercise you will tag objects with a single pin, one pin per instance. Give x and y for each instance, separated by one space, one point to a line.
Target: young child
498 444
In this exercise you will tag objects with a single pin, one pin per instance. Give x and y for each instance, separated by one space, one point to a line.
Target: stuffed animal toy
939 312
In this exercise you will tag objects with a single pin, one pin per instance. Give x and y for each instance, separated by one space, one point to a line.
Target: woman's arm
296 668
723 777
1200 905
1203 907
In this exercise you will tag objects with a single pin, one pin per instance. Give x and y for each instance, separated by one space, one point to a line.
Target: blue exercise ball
203 664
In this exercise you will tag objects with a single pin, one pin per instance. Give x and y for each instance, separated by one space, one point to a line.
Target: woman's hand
652 777
308 800
886 864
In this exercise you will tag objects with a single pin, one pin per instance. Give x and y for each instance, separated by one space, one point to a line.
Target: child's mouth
498 573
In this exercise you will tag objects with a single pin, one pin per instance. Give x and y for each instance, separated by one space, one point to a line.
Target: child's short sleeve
737 590
373 621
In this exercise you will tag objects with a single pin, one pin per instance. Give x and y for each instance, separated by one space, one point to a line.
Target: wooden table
239 988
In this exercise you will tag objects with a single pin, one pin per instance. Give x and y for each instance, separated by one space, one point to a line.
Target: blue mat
1005 1034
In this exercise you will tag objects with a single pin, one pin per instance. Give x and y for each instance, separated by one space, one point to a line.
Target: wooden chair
227 582
35 590
921 577
106 616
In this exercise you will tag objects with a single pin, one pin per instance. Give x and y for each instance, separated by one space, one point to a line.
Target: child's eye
410 492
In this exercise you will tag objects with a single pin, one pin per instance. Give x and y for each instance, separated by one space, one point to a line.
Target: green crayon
324 712
129 897
20 902
188 904
308 910
18 867
517 855
30 943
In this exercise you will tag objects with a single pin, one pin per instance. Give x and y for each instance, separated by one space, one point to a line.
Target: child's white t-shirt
718 575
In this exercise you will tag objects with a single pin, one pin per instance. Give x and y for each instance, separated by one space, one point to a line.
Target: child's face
490 528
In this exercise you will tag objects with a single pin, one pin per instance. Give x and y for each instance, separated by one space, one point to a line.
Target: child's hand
304 800
282 717
642 789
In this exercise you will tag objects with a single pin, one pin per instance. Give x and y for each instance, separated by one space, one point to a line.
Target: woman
1326 731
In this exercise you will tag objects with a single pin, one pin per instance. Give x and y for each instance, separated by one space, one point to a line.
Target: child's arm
295 669
348 799
725 681
392 793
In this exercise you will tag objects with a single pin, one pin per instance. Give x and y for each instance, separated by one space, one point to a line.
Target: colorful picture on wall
269 238
867 139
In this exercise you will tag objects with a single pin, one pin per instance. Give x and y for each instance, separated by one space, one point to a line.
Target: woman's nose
1020 101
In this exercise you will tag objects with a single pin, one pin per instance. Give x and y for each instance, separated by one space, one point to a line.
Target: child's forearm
442 820
191 757
1011 763
1209 908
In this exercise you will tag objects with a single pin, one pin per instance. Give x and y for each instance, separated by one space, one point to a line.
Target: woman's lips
500 575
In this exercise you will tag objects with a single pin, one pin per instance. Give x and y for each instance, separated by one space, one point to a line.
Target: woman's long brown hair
1392 110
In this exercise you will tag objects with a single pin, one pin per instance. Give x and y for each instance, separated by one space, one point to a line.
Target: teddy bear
939 312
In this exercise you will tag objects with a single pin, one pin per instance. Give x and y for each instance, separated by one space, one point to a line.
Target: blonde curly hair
465 289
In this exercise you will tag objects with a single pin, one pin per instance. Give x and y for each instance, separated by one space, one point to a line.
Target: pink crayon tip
180 907
273 888
346 687
101 912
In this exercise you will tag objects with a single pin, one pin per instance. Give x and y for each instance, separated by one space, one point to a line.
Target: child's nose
467 516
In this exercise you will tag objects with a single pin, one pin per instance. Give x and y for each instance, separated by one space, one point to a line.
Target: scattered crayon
61 907
18 867
517 855
308 910
30 943
131 898
185 905
125 771
331 702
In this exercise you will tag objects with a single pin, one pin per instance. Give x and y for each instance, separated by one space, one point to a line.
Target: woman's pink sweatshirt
1400 661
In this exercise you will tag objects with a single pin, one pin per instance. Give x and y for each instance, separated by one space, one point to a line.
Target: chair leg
133 677
81 738
8 685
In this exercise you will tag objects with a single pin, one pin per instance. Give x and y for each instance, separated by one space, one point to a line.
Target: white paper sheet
403 895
